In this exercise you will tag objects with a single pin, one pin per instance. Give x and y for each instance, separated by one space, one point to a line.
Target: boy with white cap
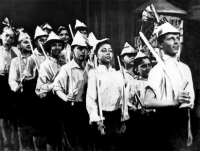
127 56
64 35
109 89
15 81
49 121
30 74
38 56
81 27
7 53
138 114
73 77
165 92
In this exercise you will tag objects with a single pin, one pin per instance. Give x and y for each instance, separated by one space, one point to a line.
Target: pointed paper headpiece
128 49
39 32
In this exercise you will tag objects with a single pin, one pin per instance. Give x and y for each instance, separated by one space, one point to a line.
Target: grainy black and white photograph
99 75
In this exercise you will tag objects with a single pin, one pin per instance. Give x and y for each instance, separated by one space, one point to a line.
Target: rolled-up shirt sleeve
91 97
43 81
155 82
13 79
61 80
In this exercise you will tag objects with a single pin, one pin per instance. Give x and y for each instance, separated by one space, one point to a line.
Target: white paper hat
39 32
52 37
165 28
80 40
46 26
79 24
8 29
92 40
128 49
140 55
22 35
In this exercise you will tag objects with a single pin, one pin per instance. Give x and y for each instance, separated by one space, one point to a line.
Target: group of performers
67 96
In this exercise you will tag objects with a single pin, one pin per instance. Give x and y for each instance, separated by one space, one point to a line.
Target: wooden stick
71 31
33 55
156 15
123 89
47 58
190 137
98 91
70 75
173 82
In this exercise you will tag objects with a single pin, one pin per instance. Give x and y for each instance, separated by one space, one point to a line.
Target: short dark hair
40 37
137 62
101 43
62 28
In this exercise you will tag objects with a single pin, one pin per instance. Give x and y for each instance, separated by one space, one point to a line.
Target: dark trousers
76 125
7 113
170 129
113 139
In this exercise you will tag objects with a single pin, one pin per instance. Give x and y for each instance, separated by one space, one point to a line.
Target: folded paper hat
46 26
53 37
165 28
39 32
92 40
80 40
8 28
140 55
79 24
22 35
128 49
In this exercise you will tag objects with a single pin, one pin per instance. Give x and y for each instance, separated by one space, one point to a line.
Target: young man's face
144 68
25 45
41 40
56 48
84 32
81 52
105 54
64 35
146 51
7 38
171 44
129 58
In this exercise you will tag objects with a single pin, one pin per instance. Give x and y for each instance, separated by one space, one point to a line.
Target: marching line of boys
57 93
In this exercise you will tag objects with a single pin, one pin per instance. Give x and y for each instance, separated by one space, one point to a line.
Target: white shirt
160 84
5 58
111 83
16 68
48 71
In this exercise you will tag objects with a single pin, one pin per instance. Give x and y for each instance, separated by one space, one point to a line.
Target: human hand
101 128
183 98
70 98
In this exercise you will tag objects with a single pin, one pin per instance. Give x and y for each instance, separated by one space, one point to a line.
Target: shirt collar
167 57
5 48
126 71
53 59
141 78
103 67
37 52
74 64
